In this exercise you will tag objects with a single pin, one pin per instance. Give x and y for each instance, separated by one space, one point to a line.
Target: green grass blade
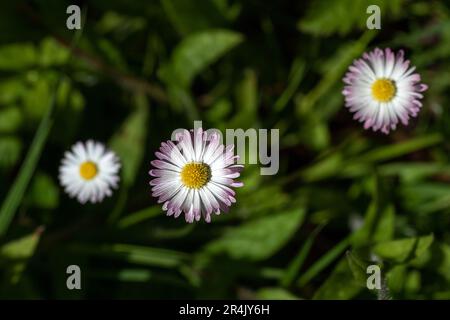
17 191
297 263
324 261
15 194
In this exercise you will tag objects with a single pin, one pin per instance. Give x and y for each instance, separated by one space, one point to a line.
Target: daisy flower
382 89
89 172
195 175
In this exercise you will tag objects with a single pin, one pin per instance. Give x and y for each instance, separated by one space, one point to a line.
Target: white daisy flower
195 175
89 172
382 89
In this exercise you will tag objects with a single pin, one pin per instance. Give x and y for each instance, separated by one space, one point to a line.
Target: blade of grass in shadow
396 150
139 216
296 76
15 194
134 254
294 267
17 191
324 261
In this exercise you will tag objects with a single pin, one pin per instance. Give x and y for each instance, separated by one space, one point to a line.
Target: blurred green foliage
343 198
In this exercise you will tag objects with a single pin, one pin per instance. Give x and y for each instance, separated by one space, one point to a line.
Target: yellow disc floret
195 175
383 90
88 170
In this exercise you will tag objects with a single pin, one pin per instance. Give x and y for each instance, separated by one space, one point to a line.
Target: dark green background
144 68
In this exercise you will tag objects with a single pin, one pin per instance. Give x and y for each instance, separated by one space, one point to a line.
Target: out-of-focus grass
343 198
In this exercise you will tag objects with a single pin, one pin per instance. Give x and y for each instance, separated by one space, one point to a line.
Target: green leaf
11 90
10 151
379 219
191 16
403 250
358 267
328 17
385 228
338 65
139 216
133 254
323 262
17 56
275 294
14 255
294 267
196 52
340 285
10 119
21 248
396 150
17 191
120 24
246 101
295 77
129 141
258 239
52 53
44 193
38 98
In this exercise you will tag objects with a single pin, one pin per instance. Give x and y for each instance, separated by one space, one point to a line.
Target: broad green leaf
10 119
21 248
14 255
403 250
443 264
384 231
258 239
196 52
10 151
425 197
329 17
129 141
191 16
413 282
43 193
358 267
17 56
396 278
12 90
38 98
340 285
52 53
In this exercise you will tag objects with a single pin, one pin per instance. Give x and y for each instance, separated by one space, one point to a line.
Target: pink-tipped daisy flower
195 175
382 90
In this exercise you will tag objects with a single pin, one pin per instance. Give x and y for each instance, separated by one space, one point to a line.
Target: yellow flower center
195 175
88 170
383 90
